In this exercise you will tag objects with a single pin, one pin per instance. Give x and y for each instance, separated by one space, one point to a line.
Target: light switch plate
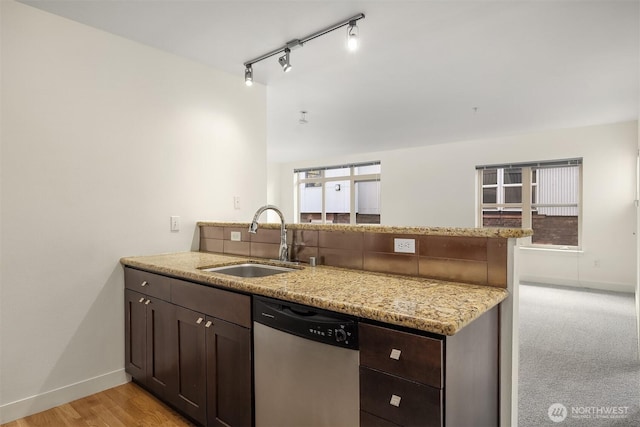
407 246
236 236
175 223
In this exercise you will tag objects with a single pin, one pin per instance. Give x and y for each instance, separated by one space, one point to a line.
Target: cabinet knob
147 302
395 400
141 299
143 284
200 319
395 354
208 324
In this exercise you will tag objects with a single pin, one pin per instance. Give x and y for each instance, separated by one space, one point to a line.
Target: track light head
248 75
285 60
352 36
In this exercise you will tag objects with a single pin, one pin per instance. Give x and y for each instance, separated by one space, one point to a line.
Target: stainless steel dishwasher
305 366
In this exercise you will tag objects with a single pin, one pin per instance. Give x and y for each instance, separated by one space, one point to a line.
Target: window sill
561 249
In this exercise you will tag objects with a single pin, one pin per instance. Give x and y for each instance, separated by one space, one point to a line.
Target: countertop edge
369 228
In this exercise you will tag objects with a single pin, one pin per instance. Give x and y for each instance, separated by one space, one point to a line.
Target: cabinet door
228 374
161 348
191 366
135 334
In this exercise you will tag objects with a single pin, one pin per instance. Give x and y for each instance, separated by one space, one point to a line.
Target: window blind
538 164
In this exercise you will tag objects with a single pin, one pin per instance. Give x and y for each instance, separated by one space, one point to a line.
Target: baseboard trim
50 399
582 284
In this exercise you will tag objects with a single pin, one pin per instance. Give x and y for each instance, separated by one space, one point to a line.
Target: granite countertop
420 303
424 231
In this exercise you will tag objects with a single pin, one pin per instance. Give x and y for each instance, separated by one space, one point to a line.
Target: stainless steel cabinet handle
141 299
143 284
200 319
147 302
395 354
208 324
395 400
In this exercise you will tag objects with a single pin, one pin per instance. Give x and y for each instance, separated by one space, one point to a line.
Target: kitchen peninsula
446 298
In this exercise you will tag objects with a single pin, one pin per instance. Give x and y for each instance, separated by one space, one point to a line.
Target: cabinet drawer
225 305
368 420
407 355
147 283
400 401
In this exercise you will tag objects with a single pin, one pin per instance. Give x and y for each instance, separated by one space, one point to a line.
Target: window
346 194
544 196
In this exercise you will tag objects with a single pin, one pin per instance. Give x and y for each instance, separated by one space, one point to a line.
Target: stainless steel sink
249 270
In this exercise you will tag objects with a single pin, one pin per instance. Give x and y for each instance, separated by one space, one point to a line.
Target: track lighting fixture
248 75
352 36
285 60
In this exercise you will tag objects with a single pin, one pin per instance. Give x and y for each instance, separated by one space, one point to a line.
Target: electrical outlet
406 246
236 236
175 223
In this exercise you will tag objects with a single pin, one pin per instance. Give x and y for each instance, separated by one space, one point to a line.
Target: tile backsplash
478 260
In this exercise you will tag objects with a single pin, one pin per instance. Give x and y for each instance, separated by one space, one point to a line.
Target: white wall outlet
236 236
175 223
406 246
236 202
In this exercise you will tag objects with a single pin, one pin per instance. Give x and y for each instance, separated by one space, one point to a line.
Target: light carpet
578 349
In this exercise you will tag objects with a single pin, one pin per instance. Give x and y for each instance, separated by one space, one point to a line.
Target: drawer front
407 355
368 420
399 401
225 305
147 283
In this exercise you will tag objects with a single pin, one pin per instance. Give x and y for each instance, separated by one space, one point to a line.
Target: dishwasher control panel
308 322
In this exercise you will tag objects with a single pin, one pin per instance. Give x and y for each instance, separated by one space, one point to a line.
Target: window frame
322 180
527 204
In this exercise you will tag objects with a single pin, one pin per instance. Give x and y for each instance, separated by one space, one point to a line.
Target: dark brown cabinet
149 342
410 379
193 349
191 394
228 375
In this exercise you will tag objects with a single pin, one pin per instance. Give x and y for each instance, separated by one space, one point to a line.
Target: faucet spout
253 228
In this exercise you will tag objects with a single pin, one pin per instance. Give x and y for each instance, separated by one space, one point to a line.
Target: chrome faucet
253 228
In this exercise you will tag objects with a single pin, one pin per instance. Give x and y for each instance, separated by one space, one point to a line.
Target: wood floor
123 406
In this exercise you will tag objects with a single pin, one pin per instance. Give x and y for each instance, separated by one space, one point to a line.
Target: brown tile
340 258
211 232
305 237
454 270
244 233
211 245
391 263
265 235
497 262
384 242
302 253
351 240
237 248
265 250
470 248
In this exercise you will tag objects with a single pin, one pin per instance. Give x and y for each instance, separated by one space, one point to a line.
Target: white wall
102 140
436 186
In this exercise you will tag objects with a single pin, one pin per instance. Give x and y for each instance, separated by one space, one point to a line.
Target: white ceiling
427 72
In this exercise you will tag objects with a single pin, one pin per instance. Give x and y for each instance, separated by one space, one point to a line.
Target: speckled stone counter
424 231
425 304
